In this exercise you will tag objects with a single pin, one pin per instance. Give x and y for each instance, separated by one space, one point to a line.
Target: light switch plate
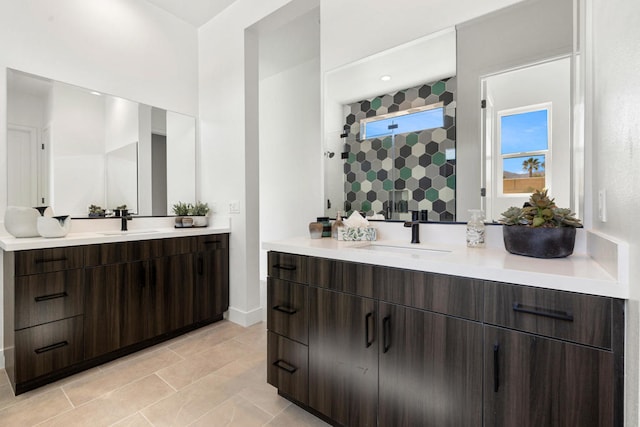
234 207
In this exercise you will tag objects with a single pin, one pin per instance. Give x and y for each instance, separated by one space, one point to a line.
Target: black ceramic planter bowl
539 242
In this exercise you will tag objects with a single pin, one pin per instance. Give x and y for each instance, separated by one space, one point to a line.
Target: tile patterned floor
215 376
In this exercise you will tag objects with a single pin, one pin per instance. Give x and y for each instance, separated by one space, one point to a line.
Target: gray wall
521 34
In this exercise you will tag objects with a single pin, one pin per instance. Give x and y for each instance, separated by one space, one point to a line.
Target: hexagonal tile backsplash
416 169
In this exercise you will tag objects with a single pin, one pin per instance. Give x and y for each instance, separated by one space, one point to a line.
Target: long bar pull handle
386 334
51 347
287 267
538 311
285 366
285 309
51 296
367 320
496 367
42 260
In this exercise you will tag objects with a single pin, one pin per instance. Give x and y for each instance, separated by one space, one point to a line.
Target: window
412 120
524 148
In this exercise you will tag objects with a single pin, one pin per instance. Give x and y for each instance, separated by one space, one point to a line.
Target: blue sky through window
412 122
514 164
524 132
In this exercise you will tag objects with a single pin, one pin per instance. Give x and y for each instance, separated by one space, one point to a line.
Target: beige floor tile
265 397
294 416
135 420
35 409
115 406
254 337
204 340
235 412
105 381
3 377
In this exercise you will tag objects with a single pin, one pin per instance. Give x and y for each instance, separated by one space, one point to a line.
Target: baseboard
245 318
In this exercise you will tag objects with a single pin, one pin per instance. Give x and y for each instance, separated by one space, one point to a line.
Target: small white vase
200 221
21 221
54 226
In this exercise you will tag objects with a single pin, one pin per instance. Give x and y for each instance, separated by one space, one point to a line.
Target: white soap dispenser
475 229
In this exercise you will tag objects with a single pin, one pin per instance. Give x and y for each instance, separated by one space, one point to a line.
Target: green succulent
540 211
199 209
182 209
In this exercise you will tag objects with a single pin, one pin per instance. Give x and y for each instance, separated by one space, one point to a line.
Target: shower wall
416 171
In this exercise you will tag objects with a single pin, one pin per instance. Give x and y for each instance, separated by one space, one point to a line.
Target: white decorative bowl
200 221
54 226
21 221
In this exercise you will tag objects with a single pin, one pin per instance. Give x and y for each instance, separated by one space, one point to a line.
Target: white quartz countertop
576 273
10 243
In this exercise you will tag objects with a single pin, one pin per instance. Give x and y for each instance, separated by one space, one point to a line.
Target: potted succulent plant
95 211
199 212
181 210
540 229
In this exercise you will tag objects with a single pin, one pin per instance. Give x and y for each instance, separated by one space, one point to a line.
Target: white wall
121 47
613 93
289 110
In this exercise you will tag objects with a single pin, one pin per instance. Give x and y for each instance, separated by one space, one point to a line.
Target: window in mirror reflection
524 147
413 120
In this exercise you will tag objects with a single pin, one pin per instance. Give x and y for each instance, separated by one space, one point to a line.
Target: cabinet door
430 369
211 294
170 294
534 381
116 304
343 357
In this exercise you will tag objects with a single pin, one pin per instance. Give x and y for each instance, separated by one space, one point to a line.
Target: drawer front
38 261
342 276
43 298
450 295
583 319
114 253
212 242
287 367
288 308
46 348
288 267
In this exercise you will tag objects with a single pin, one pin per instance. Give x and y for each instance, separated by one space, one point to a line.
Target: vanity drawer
342 276
450 295
584 319
47 297
47 348
38 261
287 367
288 267
114 253
212 242
288 308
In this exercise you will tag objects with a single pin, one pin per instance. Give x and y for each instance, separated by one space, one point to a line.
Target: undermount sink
126 233
414 250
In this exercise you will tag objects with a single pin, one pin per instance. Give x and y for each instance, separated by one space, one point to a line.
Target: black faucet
124 219
415 227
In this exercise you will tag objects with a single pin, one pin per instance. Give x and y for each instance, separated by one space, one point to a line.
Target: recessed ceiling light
93 92
385 78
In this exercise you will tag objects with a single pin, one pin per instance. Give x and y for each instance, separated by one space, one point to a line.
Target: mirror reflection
498 61
70 147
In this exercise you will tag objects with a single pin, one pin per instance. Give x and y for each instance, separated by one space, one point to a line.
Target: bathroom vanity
95 298
365 337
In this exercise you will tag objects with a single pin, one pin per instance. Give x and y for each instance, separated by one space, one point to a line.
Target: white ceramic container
21 221
54 226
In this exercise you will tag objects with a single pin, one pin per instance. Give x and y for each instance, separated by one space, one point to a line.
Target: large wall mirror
516 60
71 147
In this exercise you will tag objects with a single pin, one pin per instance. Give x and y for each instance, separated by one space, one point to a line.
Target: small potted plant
95 211
199 211
181 210
121 210
540 229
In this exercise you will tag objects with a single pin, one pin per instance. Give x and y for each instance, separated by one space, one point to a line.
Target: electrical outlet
602 205
234 207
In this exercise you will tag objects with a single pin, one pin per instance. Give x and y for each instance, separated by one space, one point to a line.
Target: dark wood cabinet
343 357
116 305
68 309
394 347
211 292
533 381
430 369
